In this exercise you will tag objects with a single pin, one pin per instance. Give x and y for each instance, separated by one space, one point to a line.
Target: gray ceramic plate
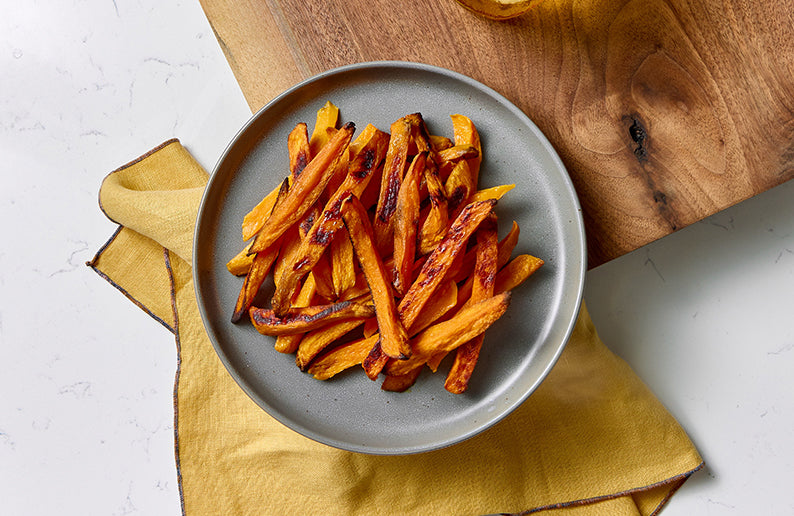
350 411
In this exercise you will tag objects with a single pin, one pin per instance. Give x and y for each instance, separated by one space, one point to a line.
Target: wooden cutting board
664 112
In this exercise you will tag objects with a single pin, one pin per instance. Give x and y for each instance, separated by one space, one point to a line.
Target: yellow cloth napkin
591 440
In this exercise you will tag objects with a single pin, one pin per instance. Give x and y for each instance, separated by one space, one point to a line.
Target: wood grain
664 112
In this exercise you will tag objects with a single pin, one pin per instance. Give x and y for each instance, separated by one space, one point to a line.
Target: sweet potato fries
383 252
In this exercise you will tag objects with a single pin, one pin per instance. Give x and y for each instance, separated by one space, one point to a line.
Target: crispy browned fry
311 254
304 191
302 320
289 343
434 226
363 137
467 354
406 220
341 358
505 249
327 117
402 382
393 172
315 342
448 335
419 134
516 272
394 340
465 133
298 147
458 186
436 266
260 267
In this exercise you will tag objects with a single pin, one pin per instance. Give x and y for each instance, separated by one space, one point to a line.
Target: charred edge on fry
456 198
302 159
392 190
367 163
269 318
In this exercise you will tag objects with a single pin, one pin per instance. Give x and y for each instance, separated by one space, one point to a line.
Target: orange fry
406 220
401 383
343 272
393 172
465 133
485 269
327 117
298 147
394 340
516 272
315 342
435 223
495 192
289 343
341 358
301 320
260 268
448 335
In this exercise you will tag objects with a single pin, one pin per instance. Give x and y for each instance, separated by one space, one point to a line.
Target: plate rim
579 274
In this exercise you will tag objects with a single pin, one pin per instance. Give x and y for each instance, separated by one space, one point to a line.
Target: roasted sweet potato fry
434 226
393 172
516 272
241 263
289 343
436 266
406 221
260 267
341 358
304 191
302 320
439 143
465 133
458 186
467 354
343 271
457 153
299 155
495 192
327 118
394 340
315 342
448 335
401 383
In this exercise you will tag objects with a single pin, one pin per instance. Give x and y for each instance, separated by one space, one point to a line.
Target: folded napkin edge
93 265
127 165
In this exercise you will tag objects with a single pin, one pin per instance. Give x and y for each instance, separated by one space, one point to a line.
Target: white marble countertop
86 415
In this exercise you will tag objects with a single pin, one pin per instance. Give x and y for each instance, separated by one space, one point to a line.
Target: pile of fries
383 252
